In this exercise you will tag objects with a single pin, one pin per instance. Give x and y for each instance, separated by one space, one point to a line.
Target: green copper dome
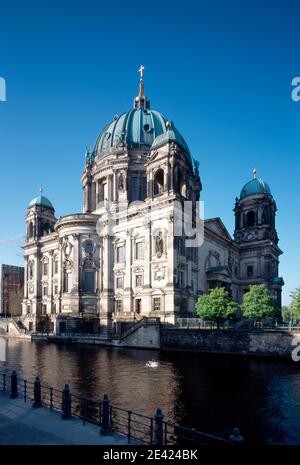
255 186
41 201
139 128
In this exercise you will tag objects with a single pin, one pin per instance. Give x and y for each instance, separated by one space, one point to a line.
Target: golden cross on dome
141 71
41 190
254 172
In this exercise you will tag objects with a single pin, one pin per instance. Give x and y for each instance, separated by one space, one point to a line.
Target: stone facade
129 255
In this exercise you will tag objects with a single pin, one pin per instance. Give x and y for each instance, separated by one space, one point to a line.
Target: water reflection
212 393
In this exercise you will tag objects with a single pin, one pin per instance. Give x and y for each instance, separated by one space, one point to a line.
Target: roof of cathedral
135 129
255 186
41 201
138 128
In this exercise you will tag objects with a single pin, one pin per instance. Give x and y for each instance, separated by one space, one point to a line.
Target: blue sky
221 71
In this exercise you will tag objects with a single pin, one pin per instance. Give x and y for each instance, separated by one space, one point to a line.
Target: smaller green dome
41 201
255 186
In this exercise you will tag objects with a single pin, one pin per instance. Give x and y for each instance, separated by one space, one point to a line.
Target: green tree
258 303
295 304
286 313
216 306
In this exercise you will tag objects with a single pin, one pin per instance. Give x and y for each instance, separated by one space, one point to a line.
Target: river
212 393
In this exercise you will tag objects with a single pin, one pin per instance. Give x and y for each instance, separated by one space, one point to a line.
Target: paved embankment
21 424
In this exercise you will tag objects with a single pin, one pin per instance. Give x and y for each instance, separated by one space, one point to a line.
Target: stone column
147 254
166 178
107 292
259 266
115 187
97 194
112 187
94 195
76 238
50 281
171 175
127 302
87 195
170 249
37 284
60 274
26 279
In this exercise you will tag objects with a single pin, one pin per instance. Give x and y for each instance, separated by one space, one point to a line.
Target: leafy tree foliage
286 313
295 304
216 306
258 303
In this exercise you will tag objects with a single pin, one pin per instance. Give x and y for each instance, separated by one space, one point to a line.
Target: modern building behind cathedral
81 276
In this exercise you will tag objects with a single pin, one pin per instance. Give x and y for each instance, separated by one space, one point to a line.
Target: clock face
250 237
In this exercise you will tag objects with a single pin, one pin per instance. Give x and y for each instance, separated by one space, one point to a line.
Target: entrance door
62 327
138 306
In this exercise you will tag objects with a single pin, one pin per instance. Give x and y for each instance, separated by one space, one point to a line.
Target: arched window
103 191
30 270
30 230
250 218
46 229
159 182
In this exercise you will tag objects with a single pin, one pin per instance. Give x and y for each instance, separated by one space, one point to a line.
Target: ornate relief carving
89 248
159 273
121 182
119 273
68 264
67 247
159 245
138 270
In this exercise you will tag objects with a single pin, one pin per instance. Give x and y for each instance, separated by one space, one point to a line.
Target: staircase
13 326
144 334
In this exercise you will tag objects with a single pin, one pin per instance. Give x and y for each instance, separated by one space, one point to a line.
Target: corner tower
257 239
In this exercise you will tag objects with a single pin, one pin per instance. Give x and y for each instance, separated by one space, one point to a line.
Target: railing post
14 386
66 402
159 434
105 423
236 437
129 426
37 393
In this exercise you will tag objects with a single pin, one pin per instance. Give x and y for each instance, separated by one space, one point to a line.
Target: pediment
217 226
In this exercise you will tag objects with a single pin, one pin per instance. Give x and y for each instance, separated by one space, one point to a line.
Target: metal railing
198 323
194 323
109 418
69 335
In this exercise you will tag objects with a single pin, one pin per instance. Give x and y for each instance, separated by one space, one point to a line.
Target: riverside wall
263 342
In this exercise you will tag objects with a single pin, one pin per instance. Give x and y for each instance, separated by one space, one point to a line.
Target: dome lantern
140 128
141 102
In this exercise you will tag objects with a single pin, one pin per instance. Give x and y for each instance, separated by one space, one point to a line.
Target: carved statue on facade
121 183
159 245
196 167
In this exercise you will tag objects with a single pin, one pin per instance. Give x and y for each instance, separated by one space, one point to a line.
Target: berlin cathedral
81 275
